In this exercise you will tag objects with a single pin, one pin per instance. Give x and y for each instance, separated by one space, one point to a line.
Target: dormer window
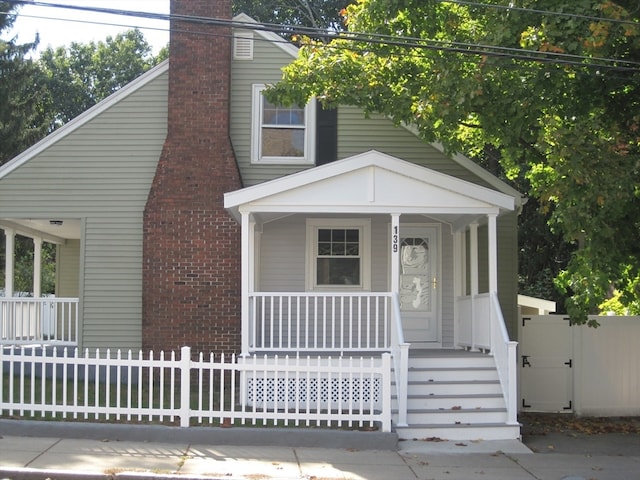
280 134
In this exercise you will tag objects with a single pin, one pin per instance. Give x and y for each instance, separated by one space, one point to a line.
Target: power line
513 8
377 39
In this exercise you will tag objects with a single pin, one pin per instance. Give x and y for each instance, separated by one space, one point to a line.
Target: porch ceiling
50 230
370 183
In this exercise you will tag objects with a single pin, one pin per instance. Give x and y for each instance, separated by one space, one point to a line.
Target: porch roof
370 183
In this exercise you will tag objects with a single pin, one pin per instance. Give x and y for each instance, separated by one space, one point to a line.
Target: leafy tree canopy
554 89
20 116
79 76
307 13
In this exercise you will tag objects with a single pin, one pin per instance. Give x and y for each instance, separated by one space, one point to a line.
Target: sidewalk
27 452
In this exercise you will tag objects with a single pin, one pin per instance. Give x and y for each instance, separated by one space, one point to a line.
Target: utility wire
374 39
513 8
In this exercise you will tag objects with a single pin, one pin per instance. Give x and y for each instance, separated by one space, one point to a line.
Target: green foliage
81 75
38 96
20 113
305 13
556 111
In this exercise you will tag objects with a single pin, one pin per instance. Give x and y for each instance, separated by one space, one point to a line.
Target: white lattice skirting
314 393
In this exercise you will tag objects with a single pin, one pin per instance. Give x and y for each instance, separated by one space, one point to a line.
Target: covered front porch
30 314
372 254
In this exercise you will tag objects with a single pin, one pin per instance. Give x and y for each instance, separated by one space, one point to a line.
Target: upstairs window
282 134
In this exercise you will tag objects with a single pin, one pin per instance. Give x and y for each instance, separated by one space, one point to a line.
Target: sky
58 26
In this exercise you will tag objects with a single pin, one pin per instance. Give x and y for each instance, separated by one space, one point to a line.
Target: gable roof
254 25
371 182
71 126
462 160
163 67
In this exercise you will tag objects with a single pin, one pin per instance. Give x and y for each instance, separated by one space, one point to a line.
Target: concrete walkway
41 450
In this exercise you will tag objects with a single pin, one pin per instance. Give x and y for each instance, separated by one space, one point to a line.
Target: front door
419 292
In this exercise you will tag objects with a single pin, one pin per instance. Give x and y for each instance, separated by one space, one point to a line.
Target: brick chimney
191 257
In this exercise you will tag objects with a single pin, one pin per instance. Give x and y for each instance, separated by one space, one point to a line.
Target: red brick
191 267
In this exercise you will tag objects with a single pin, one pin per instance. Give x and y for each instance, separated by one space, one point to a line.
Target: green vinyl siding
68 269
357 134
265 68
100 172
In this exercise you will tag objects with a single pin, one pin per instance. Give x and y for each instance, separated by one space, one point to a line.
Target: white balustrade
330 322
26 320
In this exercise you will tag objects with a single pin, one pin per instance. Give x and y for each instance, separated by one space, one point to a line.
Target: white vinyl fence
287 391
579 369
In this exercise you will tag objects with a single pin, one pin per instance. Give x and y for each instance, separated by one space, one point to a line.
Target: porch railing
320 322
481 326
25 320
504 353
400 357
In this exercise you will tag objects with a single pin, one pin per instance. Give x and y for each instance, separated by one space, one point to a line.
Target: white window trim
364 225
256 133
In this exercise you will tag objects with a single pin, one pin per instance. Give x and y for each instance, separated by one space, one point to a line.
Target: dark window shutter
326 135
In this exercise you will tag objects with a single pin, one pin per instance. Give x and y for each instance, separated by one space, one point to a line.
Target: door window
415 275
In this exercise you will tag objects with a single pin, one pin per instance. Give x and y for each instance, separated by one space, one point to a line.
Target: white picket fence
225 390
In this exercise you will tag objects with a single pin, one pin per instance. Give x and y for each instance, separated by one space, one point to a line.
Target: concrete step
487 431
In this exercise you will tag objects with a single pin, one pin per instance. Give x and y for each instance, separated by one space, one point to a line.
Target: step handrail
504 353
400 355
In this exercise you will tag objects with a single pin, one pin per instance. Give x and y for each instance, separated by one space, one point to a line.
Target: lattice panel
314 392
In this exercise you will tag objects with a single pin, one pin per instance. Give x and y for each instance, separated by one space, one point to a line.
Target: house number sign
394 240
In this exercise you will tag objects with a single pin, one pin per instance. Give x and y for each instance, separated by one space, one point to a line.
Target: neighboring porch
29 315
371 255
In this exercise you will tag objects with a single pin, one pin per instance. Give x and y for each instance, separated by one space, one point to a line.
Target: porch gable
371 182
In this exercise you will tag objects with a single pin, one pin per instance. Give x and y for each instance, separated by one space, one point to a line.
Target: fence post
386 392
512 362
185 386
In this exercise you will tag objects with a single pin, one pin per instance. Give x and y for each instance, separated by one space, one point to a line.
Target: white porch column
37 267
247 269
460 277
395 253
473 258
493 253
10 247
473 271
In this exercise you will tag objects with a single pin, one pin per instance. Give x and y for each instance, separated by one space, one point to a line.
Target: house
187 210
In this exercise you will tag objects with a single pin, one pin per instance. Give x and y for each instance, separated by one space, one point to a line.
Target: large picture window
338 253
282 134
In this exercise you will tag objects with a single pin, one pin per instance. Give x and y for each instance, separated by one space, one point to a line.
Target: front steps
454 395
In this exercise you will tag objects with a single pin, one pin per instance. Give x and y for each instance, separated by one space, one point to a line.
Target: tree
20 96
551 88
37 97
81 75
305 13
